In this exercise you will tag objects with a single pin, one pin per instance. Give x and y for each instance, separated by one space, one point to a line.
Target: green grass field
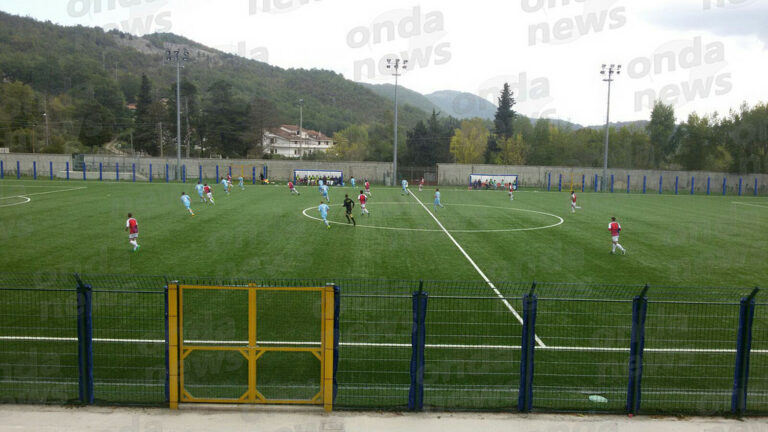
262 232
473 338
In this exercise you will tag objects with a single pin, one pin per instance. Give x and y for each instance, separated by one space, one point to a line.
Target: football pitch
477 256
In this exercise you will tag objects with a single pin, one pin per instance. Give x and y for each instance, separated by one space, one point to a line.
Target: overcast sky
699 55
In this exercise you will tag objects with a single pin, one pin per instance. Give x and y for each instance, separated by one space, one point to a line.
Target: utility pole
396 65
161 138
613 69
45 116
177 56
186 112
301 124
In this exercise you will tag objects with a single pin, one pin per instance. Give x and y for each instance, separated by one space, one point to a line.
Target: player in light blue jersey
437 199
352 181
320 185
185 200
240 183
225 183
323 209
404 183
199 188
324 191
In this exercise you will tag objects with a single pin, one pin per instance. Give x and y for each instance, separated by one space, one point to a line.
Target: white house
286 141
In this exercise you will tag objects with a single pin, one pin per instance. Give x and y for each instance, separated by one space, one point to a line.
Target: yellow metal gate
221 311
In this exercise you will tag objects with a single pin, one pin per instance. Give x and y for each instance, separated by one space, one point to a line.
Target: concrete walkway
206 418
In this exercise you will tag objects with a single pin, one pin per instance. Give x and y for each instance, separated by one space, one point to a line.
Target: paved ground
230 419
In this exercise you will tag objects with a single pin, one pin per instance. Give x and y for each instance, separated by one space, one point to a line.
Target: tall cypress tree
503 123
144 137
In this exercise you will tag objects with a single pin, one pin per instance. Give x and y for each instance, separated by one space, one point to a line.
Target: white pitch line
42 193
488 281
748 204
394 345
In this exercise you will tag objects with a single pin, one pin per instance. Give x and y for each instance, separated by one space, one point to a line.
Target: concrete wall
280 170
541 177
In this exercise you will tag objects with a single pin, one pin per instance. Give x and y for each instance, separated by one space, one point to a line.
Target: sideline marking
488 281
561 220
748 204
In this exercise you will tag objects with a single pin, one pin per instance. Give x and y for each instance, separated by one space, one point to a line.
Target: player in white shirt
186 202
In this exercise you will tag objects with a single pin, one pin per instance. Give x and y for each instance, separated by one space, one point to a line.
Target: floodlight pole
610 71
396 65
171 57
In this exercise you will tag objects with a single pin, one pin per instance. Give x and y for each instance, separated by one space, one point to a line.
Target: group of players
205 192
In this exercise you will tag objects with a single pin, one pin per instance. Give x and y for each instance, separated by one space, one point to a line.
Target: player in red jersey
573 202
367 188
362 198
133 231
615 229
421 184
292 188
208 193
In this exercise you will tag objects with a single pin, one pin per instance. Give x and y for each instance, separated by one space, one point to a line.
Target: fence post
611 183
84 341
166 173
692 180
117 171
172 345
636 347
83 170
525 395
253 175
67 170
100 171
755 191
743 348
677 182
184 173
724 184
708 184
34 170
217 172
416 391
560 183
644 182
200 173
18 170
336 337
740 182
2 170
661 184
418 340
133 170
50 168
583 178
230 171
627 183
549 181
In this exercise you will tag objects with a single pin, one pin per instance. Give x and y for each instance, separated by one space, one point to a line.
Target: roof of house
290 132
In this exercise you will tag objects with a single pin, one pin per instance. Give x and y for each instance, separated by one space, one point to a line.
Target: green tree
512 151
351 143
223 118
660 130
695 141
469 143
145 135
503 123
